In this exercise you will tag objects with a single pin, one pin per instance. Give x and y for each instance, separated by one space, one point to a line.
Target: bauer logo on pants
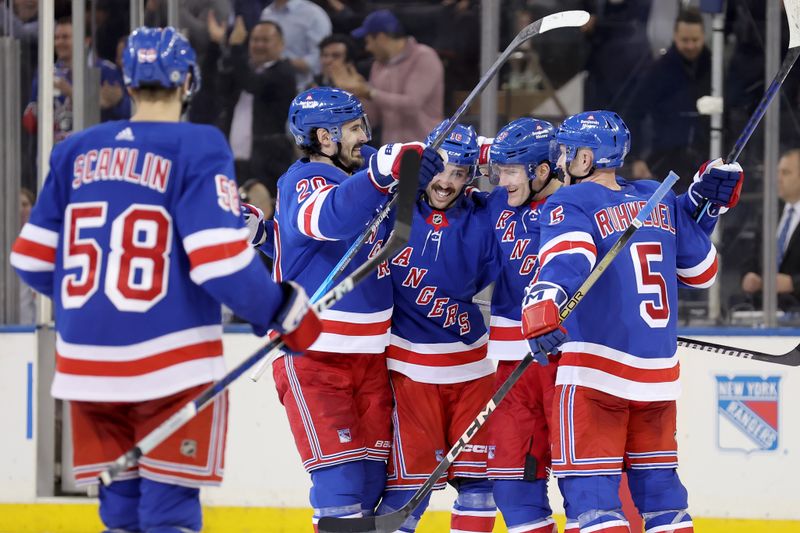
747 413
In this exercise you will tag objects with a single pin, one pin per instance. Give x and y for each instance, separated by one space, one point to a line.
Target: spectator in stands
27 296
256 87
619 52
112 103
254 192
193 16
788 240
24 19
334 50
345 15
304 25
405 92
676 135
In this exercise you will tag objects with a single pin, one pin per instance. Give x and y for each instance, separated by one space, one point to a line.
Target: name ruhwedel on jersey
748 408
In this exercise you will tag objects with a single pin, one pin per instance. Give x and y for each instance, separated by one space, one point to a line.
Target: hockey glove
540 325
719 183
296 320
540 320
254 220
484 144
384 165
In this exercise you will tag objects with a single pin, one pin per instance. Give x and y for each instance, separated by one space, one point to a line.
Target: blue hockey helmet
524 141
159 57
327 108
603 132
461 145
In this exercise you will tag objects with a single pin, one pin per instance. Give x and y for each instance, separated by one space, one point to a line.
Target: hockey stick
564 19
391 522
792 8
409 175
790 358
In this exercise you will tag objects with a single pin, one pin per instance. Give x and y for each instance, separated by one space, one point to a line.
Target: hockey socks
668 522
337 491
524 505
374 483
396 499
474 510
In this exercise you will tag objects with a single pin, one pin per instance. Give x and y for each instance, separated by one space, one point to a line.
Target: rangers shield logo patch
747 413
344 435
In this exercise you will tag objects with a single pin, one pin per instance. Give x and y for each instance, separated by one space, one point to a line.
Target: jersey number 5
654 312
138 260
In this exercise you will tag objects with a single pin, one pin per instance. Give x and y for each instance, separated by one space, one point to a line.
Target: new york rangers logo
747 408
344 435
146 55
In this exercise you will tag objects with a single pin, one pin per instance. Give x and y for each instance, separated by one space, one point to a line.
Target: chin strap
577 179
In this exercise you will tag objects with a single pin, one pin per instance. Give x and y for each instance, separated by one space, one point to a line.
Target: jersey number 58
138 258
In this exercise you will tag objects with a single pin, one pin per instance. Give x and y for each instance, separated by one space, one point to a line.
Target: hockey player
137 237
519 456
617 379
440 375
337 395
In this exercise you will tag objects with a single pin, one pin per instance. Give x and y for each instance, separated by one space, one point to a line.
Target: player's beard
351 159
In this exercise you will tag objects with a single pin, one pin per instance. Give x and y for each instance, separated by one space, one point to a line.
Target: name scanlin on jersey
137 238
320 213
517 231
438 334
623 334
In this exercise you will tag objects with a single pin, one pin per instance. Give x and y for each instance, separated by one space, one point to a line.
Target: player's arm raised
223 262
335 212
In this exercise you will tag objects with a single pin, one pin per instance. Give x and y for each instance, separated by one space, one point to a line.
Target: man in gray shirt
304 25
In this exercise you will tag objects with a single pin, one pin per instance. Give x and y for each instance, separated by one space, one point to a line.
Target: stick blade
564 19
793 16
388 523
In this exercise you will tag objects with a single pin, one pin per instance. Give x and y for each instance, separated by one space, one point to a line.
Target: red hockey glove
254 220
484 144
296 320
540 325
718 182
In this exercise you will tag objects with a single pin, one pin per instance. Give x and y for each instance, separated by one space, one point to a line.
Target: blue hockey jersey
320 213
517 231
137 237
623 333
438 334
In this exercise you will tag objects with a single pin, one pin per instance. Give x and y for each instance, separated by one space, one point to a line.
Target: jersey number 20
138 260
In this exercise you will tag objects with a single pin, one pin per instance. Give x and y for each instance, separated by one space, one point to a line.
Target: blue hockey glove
719 183
431 163
254 220
384 165
296 320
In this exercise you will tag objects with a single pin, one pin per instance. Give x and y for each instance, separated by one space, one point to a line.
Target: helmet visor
507 174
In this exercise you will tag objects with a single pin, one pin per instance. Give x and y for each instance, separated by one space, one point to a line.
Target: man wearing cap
405 91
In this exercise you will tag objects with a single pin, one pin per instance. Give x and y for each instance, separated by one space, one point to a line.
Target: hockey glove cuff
296 320
254 220
484 145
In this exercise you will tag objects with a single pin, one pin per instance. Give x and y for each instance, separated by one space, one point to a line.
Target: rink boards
738 435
